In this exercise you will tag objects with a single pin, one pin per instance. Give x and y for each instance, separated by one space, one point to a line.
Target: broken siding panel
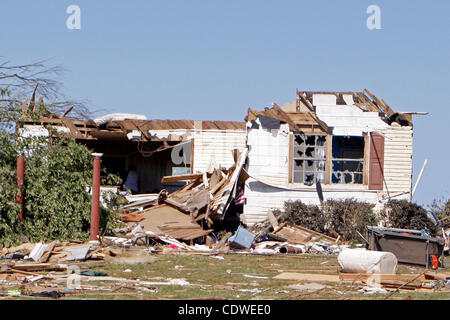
268 157
398 159
214 147
262 199
349 120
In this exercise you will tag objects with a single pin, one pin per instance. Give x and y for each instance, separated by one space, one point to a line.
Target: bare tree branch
17 82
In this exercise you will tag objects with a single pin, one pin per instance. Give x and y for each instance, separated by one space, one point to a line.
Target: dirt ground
173 276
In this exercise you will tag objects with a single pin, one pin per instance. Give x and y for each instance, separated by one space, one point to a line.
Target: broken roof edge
291 119
364 100
129 129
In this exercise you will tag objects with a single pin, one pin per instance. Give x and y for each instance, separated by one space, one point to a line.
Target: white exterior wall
262 198
214 147
398 147
268 162
269 187
349 120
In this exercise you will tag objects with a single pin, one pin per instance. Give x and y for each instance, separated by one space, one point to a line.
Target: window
347 160
309 158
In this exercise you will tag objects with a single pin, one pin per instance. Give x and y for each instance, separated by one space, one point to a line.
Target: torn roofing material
122 128
294 120
308 109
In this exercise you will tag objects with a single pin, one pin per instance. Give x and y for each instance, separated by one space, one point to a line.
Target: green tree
58 171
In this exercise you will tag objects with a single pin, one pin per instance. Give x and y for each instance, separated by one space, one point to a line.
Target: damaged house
157 148
334 145
353 143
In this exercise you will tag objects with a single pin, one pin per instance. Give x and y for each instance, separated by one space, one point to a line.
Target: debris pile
188 213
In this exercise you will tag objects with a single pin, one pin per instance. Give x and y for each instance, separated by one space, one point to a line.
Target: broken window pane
347 159
299 139
309 178
321 140
310 152
309 158
310 140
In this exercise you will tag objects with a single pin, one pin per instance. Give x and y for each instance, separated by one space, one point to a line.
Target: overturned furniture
409 246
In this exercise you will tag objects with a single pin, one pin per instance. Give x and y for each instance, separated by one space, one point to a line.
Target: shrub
441 208
342 216
57 204
403 214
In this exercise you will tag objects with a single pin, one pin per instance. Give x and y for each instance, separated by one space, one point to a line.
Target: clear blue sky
210 59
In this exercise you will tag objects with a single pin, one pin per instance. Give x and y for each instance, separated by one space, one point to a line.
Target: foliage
110 179
403 214
344 217
57 204
57 170
441 208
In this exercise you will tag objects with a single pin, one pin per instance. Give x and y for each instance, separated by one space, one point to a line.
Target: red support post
95 204
20 184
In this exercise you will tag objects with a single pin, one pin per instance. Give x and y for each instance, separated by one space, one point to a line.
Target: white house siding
398 147
214 147
268 188
349 120
262 198
268 155
268 161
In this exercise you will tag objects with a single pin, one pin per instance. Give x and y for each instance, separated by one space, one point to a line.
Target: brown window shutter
376 161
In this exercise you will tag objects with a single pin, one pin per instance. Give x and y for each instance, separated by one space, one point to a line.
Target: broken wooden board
156 218
376 277
437 275
182 177
312 277
48 252
132 217
39 267
223 198
184 232
302 235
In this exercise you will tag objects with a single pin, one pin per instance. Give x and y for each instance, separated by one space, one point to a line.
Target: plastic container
242 238
409 246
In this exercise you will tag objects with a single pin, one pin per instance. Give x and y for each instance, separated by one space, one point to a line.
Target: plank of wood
48 252
381 277
437 275
181 177
38 267
313 277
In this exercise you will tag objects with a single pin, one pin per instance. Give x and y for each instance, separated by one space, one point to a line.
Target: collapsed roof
303 113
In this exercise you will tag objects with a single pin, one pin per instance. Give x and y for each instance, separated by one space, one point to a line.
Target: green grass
211 278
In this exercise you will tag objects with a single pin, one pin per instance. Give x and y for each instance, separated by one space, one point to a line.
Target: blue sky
211 59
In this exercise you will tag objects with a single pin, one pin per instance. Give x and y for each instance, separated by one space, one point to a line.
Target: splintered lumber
39 267
380 277
48 252
311 277
224 196
165 217
132 217
437 275
181 177
302 235
184 232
